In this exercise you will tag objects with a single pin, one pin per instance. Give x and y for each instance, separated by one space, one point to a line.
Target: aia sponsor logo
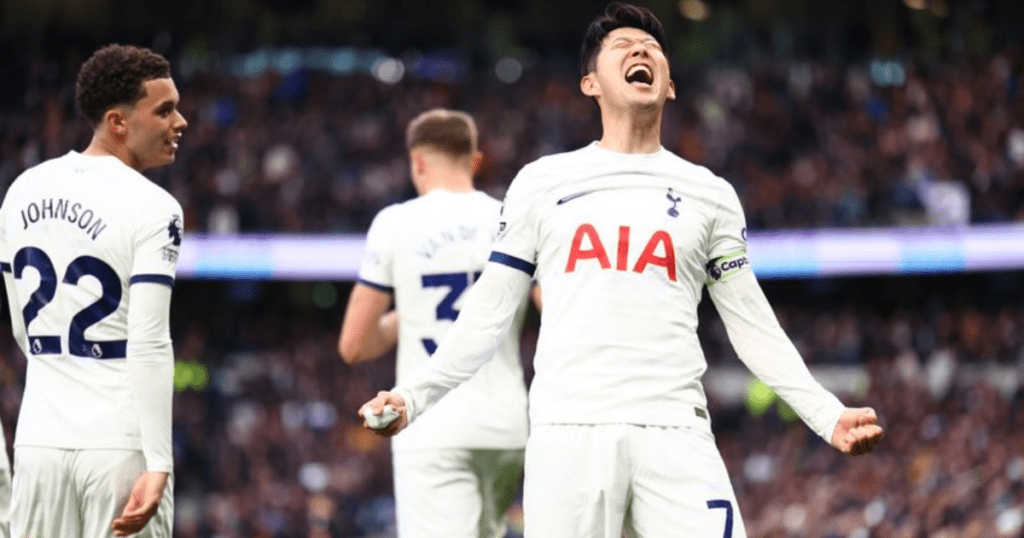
658 251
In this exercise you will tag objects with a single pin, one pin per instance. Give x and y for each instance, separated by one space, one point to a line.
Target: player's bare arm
369 330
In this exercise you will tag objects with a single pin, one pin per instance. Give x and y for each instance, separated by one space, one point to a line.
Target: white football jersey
621 245
75 233
428 251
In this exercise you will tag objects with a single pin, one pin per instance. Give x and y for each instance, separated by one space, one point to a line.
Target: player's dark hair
618 15
113 76
449 131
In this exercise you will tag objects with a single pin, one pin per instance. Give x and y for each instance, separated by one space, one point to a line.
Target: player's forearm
150 365
491 305
152 378
769 353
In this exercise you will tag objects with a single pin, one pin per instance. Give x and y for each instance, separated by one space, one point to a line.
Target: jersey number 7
107 304
456 283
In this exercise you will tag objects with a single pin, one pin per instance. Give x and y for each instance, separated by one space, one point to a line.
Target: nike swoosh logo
573 196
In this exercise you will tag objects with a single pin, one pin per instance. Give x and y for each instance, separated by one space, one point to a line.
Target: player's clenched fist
857 432
385 415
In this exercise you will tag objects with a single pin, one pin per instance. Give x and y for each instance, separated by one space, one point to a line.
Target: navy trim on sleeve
153 279
5 267
376 286
513 262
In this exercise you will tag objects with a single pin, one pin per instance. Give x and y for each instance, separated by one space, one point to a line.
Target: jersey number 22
47 290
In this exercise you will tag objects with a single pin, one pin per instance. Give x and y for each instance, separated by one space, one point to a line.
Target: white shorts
599 481
455 493
79 493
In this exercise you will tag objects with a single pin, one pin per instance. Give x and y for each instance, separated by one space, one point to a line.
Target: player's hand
376 406
142 503
857 432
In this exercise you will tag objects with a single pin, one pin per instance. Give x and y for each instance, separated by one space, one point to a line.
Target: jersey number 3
456 283
47 290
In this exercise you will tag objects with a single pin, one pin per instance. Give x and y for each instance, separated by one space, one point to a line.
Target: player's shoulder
685 168
107 177
140 186
440 201
696 175
50 168
557 163
391 214
550 171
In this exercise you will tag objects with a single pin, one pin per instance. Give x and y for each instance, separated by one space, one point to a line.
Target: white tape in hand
382 420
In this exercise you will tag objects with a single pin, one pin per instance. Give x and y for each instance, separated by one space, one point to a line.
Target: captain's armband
725 267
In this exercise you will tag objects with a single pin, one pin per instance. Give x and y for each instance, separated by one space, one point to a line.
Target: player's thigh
436 494
576 482
681 486
498 475
106 478
43 497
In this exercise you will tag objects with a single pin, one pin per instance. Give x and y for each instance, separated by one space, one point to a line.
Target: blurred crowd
904 141
267 443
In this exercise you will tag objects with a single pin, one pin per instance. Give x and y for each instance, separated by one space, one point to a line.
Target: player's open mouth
174 143
640 74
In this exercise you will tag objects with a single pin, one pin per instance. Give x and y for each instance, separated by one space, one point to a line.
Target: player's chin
647 100
167 157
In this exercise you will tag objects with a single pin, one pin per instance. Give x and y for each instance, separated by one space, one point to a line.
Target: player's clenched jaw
630 72
153 126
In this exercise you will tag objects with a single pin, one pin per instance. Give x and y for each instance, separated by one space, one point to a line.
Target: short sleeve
376 270
516 242
158 243
727 246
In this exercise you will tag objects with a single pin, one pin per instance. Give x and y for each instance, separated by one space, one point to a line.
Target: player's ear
478 159
589 85
418 162
671 90
116 121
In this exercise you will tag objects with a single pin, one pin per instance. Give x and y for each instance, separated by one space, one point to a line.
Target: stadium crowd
806 144
267 443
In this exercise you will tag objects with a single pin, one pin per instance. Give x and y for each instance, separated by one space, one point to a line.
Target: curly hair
113 76
618 15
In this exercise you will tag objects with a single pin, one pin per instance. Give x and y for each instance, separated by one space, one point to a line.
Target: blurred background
897 116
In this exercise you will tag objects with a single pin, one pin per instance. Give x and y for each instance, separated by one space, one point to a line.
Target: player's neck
102 146
631 132
445 180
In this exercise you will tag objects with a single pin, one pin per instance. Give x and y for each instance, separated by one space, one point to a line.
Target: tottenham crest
672 211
